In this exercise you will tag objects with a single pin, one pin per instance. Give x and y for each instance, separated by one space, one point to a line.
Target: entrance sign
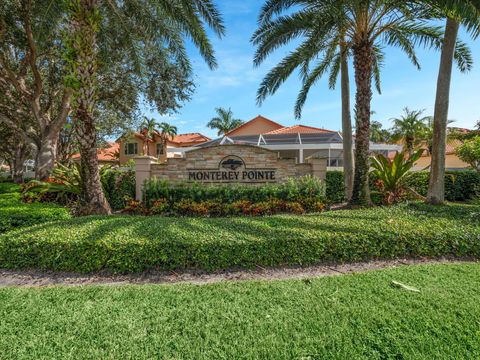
226 164
232 169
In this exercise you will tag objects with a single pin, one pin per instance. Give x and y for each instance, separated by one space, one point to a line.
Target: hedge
299 189
460 185
119 186
14 213
132 243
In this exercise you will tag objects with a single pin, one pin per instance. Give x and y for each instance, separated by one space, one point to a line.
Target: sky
235 82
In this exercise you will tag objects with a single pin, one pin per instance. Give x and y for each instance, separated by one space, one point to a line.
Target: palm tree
410 128
147 129
224 122
172 20
456 12
378 134
167 131
360 27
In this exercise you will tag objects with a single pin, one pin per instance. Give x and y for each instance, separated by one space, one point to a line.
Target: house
136 144
452 161
106 155
298 142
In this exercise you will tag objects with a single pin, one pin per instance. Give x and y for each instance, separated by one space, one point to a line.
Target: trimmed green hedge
460 185
134 243
14 213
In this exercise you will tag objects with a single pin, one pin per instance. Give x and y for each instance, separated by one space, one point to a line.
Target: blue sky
234 83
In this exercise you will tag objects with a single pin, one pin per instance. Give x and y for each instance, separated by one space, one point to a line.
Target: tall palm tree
147 129
410 128
172 18
167 131
362 27
455 12
224 121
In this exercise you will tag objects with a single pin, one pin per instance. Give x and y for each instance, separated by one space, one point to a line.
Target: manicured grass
15 214
135 243
348 317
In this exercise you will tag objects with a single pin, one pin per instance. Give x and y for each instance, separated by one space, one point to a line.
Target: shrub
390 175
335 188
134 243
119 187
15 214
460 185
200 199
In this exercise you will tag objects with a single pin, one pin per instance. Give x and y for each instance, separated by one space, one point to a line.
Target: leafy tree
455 12
224 122
30 75
469 152
147 25
362 27
410 128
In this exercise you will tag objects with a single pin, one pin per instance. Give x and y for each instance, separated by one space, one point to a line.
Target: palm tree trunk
436 187
85 72
363 63
346 127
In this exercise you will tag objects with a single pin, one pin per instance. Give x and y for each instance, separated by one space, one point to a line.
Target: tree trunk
19 160
436 187
363 61
346 127
83 26
46 155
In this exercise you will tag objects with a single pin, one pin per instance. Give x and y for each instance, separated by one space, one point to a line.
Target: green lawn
347 317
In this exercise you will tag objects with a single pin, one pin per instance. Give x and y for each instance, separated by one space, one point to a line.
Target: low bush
161 197
15 214
133 243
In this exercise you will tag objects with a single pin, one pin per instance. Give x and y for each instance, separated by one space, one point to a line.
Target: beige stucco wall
152 150
451 162
256 127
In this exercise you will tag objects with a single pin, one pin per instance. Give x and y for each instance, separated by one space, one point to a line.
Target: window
160 148
131 149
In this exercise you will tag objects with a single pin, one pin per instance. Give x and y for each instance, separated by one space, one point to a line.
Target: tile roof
190 138
257 118
105 154
300 129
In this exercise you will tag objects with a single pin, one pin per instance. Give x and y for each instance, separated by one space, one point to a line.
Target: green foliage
469 152
15 214
335 187
224 122
133 243
307 191
391 173
459 185
118 187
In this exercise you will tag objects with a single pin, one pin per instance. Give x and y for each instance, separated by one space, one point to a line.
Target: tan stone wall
256 160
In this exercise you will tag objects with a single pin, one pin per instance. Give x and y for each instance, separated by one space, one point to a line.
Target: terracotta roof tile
105 154
257 118
302 129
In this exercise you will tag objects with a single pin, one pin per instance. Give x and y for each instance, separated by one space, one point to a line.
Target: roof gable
256 126
300 129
